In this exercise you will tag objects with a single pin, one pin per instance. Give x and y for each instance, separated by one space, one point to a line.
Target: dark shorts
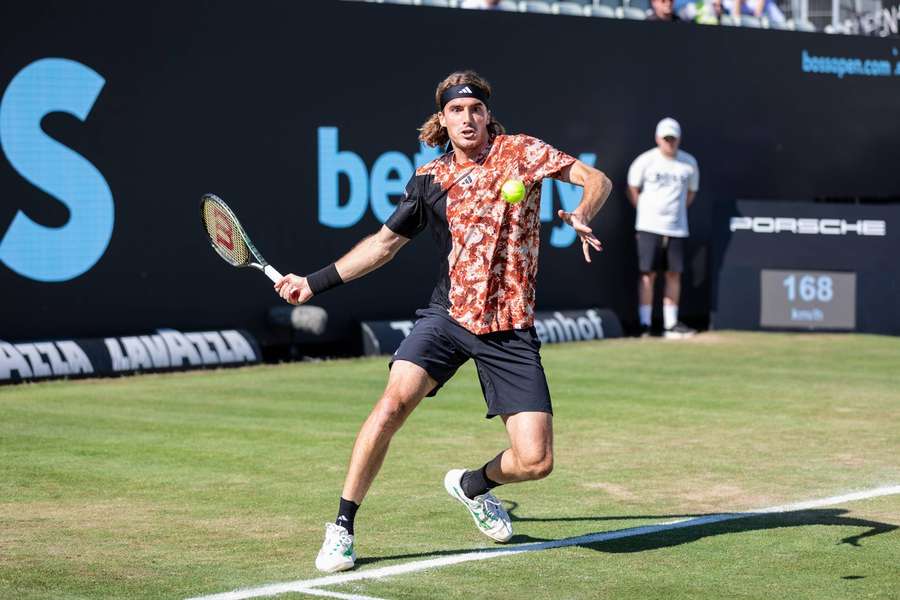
508 362
660 252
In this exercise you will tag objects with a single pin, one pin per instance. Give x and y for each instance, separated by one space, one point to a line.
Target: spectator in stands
481 4
705 12
662 183
759 8
661 10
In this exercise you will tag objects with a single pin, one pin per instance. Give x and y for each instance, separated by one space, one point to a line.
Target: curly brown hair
431 131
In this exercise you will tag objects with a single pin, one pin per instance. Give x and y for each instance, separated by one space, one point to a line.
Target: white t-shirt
664 184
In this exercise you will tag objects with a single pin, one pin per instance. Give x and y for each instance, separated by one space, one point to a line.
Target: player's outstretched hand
293 288
588 239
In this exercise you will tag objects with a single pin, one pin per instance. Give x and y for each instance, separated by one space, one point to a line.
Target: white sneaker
488 513
679 331
337 552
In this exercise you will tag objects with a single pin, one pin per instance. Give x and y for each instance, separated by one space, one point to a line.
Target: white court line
307 585
330 594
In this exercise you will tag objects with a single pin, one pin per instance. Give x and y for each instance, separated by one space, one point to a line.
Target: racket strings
225 234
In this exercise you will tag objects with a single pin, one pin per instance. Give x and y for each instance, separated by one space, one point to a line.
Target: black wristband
324 279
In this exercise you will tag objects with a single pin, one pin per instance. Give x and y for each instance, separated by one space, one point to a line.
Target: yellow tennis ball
513 191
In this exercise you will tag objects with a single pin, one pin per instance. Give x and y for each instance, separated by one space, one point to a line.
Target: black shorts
508 362
660 252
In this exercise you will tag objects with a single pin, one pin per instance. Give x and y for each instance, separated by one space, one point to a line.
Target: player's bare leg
529 457
407 384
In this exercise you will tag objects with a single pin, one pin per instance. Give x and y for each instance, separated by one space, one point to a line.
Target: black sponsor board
303 117
552 327
806 266
164 350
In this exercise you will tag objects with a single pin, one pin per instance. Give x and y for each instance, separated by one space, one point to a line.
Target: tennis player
482 306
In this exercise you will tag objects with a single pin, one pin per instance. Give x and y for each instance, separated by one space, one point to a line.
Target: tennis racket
229 239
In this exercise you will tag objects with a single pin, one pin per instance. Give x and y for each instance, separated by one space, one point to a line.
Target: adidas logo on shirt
465 90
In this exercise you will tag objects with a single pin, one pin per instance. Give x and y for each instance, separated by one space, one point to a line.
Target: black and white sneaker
679 331
644 331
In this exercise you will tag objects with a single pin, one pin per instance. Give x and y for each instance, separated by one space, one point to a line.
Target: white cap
668 127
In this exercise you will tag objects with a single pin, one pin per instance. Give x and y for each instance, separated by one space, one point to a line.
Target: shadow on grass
640 542
800 518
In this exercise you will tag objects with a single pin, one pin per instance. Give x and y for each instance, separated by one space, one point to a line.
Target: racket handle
275 276
272 273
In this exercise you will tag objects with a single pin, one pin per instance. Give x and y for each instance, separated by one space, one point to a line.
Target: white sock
645 311
670 315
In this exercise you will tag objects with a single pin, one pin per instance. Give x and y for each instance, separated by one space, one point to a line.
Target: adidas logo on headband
463 90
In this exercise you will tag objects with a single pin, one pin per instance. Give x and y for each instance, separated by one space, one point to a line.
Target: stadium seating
536 6
801 25
574 9
621 9
601 10
631 12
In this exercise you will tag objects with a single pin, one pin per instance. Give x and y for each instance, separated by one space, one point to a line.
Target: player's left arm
596 188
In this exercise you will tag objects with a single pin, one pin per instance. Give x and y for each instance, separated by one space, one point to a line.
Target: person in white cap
662 184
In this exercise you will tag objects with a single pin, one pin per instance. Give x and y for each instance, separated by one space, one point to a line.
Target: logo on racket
224 231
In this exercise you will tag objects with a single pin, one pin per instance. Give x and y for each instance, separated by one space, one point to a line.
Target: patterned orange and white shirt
490 246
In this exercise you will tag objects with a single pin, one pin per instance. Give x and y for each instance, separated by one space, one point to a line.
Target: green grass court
191 484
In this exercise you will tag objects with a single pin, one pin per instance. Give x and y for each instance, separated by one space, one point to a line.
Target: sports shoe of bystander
679 331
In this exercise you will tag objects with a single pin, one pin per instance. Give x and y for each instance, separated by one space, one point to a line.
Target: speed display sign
807 299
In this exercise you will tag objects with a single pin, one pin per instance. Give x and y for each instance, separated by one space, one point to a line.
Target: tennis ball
513 191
